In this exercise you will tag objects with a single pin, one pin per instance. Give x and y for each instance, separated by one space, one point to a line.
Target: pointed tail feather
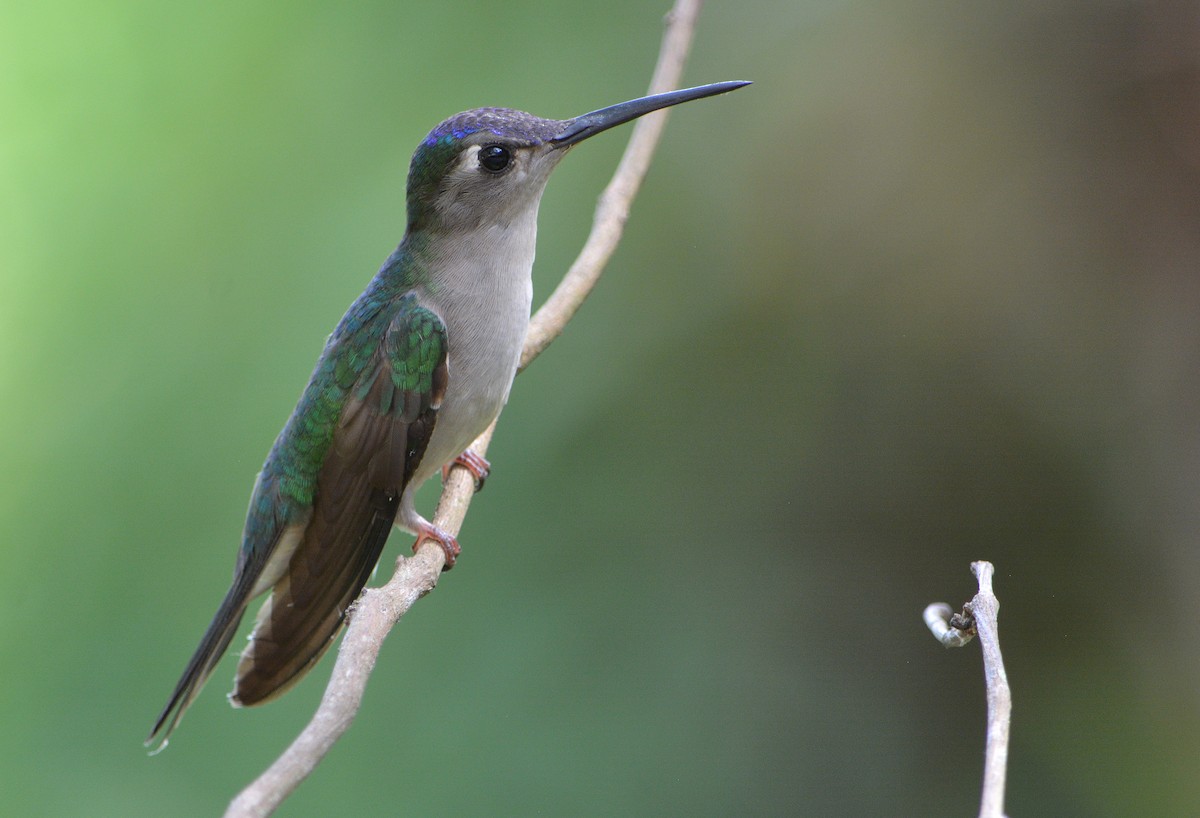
216 639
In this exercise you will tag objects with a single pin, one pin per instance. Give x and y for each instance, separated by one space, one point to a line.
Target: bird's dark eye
494 158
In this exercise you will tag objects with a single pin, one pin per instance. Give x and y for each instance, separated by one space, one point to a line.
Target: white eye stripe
468 160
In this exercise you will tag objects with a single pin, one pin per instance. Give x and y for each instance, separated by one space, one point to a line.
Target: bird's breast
482 290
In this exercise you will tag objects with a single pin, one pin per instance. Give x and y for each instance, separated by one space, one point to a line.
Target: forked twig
981 617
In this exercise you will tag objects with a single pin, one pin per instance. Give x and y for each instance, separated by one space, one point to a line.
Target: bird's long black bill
582 127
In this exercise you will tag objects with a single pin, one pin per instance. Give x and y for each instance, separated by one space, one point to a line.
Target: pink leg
476 465
448 544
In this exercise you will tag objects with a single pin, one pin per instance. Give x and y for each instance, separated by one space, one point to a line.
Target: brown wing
381 437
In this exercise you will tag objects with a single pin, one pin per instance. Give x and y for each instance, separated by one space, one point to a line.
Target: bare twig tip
983 571
981 614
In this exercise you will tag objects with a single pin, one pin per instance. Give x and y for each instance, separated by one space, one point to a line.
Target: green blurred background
926 293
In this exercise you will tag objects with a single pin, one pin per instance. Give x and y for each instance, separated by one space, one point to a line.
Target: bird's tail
212 647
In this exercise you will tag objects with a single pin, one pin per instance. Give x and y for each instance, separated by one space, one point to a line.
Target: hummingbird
421 363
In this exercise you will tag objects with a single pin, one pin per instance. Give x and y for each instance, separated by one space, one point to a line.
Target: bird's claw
476 465
448 544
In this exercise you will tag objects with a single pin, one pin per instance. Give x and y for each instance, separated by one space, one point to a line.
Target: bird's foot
476 465
448 544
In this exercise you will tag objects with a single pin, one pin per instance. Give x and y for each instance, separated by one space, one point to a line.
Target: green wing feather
326 498
381 436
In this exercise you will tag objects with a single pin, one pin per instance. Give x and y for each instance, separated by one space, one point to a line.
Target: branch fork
980 617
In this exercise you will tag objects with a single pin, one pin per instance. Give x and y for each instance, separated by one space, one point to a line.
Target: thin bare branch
378 609
980 617
985 610
613 208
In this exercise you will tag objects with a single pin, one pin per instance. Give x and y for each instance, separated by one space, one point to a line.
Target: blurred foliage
926 293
